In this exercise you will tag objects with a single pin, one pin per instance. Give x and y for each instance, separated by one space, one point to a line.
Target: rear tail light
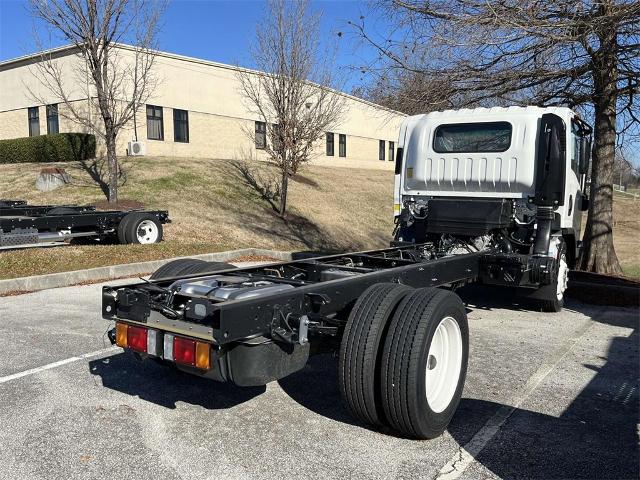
137 338
170 347
167 352
187 351
184 351
121 335
153 348
203 357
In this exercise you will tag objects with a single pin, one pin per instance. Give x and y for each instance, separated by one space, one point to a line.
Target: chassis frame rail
312 297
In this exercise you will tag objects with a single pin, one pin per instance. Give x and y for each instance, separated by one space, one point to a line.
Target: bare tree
408 92
115 80
579 53
622 168
292 93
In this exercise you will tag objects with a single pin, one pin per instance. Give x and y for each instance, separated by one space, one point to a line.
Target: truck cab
506 180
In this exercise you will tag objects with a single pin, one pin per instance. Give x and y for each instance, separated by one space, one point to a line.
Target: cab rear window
472 137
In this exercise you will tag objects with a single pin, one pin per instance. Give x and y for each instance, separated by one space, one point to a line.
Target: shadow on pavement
489 297
595 437
316 387
165 386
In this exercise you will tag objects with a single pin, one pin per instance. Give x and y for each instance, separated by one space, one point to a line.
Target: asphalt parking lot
547 396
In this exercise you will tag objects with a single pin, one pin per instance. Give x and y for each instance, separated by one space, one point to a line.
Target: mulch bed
598 289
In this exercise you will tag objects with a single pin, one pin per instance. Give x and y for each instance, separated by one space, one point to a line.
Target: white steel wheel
424 362
147 232
444 364
551 297
563 276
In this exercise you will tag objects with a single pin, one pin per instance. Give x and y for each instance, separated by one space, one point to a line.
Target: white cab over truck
507 180
481 195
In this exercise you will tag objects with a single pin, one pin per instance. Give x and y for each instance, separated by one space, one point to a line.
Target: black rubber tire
131 226
122 228
359 361
551 305
404 362
546 297
188 266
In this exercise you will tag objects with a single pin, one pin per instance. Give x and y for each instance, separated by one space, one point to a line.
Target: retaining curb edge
65 279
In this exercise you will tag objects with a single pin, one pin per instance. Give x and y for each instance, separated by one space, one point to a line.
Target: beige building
197 110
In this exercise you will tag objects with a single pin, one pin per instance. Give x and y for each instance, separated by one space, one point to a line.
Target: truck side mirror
585 154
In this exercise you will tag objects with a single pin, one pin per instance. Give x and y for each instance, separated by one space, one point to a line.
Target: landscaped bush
60 147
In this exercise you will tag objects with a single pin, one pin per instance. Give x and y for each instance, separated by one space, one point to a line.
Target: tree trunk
598 253
283 191
112 162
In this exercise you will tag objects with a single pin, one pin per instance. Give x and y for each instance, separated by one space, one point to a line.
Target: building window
330 144
52 119
381 150
155 125
261 135
391 151
34 121
342 145
180 126
277 137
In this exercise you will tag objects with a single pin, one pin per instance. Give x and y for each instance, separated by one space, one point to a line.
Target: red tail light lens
184 351
137 338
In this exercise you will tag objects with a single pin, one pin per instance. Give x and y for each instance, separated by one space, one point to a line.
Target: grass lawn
213 208
626 231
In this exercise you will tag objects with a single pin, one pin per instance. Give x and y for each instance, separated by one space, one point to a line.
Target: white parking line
467 454
59 363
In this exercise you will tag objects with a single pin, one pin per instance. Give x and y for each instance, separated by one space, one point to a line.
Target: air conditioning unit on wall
136 149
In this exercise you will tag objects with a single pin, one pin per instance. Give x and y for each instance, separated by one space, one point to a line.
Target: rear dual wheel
403 358
139 227
424 362
362 340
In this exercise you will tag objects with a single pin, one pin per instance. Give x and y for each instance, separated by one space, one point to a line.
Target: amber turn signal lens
203 358
121 335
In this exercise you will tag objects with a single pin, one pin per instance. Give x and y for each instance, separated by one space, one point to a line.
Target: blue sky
222 30
217 30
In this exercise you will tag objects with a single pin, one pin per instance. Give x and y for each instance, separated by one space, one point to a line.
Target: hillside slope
213 207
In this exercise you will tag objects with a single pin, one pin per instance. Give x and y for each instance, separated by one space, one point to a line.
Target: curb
65 279
598 289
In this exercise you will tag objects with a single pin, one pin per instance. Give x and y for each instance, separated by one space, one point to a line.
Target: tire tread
361 347
401 355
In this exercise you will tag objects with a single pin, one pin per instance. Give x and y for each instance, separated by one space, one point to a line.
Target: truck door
573 194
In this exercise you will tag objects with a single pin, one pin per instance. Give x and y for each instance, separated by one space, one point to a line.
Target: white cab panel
505 174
